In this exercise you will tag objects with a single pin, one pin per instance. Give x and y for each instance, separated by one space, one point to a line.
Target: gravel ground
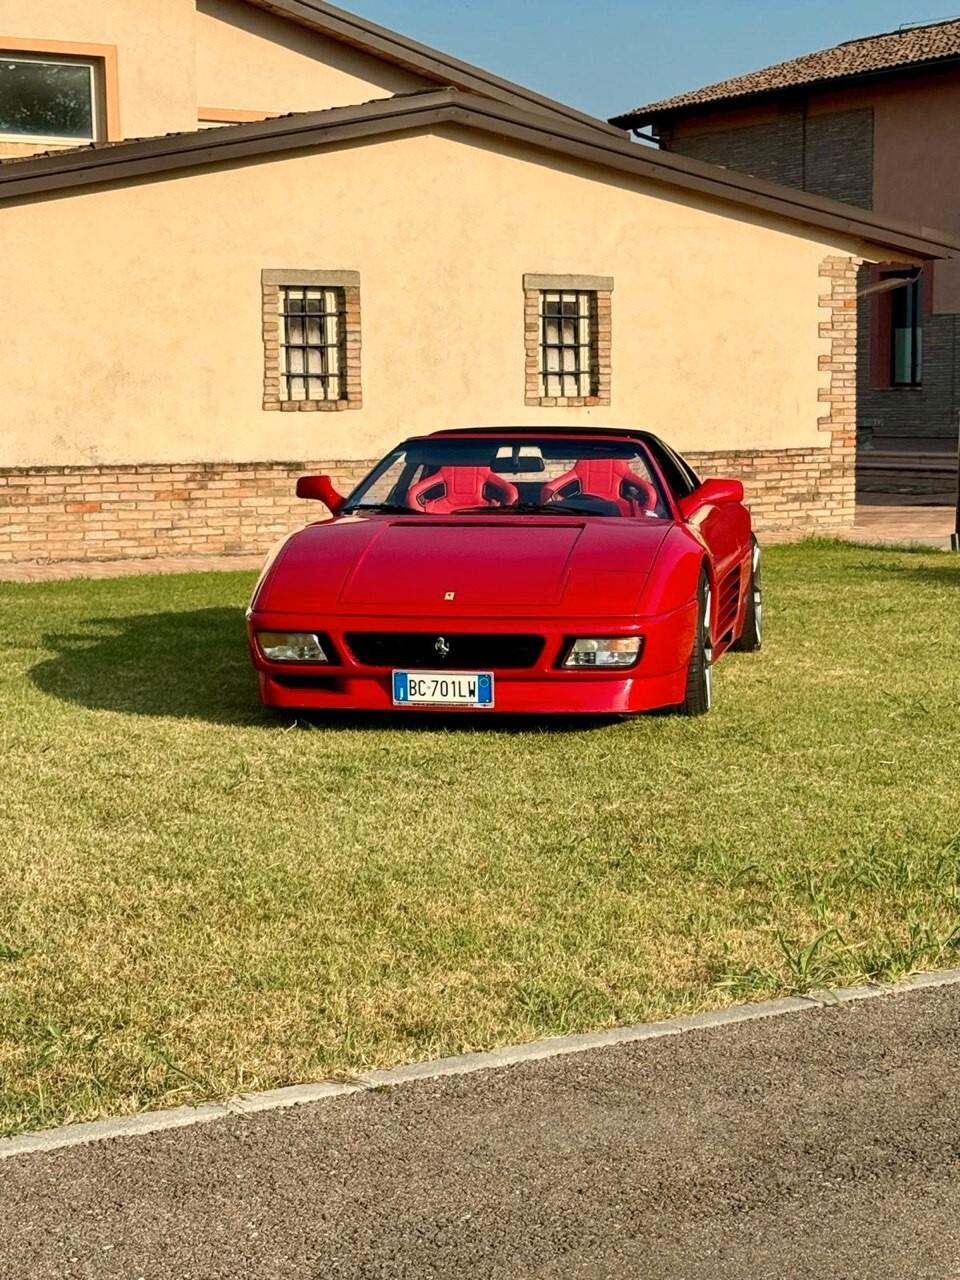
824 1144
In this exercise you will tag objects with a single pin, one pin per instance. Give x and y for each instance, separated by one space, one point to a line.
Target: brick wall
828 155
107 513
773 151
116 513
786 488
838 304
838 156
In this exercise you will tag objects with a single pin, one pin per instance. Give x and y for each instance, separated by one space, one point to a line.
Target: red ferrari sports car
523 570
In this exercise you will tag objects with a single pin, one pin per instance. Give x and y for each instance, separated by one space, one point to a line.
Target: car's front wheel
698 698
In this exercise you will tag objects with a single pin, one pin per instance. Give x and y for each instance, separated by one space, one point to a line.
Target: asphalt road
825 1144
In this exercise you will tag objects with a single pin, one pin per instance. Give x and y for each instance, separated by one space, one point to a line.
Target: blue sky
606 56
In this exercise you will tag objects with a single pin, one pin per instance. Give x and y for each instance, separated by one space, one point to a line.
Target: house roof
99 164
910 47
433 64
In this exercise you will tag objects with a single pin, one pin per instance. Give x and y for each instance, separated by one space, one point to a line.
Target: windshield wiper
527 509
382 508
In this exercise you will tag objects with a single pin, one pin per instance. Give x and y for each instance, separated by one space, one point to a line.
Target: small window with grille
568 343
568 339
313 349
311 334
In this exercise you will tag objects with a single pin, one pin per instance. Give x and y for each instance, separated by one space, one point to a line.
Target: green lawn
196 900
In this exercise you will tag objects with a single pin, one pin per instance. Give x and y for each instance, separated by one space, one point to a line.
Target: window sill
311 406
567 402
40 140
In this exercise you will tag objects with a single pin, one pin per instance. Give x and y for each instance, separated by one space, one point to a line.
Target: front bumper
657 680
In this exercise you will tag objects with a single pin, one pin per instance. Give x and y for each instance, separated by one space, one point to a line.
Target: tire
699 694
751 637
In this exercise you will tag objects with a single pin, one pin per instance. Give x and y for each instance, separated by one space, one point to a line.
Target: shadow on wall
192 664
195 665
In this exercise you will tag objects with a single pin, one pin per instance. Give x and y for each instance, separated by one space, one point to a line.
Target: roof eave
116 162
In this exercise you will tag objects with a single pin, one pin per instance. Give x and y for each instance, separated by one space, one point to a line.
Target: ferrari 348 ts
518 570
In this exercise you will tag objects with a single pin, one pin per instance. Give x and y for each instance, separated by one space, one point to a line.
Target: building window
568 347
311 336
568 336
45 97
906 336
312 348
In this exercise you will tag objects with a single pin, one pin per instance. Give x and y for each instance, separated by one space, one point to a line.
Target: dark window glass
906 333
569 364
313 357
678 475
47 99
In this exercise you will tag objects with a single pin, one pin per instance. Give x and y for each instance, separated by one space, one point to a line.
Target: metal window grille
569 364
313 358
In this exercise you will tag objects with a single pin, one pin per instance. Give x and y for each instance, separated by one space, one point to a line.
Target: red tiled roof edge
910 47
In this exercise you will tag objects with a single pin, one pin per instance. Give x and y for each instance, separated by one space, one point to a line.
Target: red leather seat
606 478
461 487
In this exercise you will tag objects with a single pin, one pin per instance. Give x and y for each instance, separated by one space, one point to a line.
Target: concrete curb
74 1135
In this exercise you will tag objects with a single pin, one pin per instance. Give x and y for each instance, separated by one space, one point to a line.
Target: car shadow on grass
191 664
195 665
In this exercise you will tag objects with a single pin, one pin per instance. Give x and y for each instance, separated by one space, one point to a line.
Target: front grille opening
326 683
421 650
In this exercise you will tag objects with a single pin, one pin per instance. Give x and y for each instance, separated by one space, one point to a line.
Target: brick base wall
787 488
114 513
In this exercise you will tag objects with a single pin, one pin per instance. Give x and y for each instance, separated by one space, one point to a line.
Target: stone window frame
272 282
534 285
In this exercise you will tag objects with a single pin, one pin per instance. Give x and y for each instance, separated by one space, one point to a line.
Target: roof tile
892 49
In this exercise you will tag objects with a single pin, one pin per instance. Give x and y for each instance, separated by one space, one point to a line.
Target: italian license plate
442 689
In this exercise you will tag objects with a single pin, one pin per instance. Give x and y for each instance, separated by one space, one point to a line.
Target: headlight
291 646
619 651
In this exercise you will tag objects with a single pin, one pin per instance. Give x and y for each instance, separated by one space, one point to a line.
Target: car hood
468 566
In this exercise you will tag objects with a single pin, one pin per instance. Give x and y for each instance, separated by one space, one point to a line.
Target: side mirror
712 493
320 489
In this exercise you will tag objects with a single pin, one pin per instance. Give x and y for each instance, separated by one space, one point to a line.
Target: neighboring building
874 122
192 320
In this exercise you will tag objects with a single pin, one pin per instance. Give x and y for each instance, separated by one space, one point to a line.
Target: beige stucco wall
137 317
155 41
249 60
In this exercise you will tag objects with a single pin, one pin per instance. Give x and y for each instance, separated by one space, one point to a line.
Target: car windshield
486 475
